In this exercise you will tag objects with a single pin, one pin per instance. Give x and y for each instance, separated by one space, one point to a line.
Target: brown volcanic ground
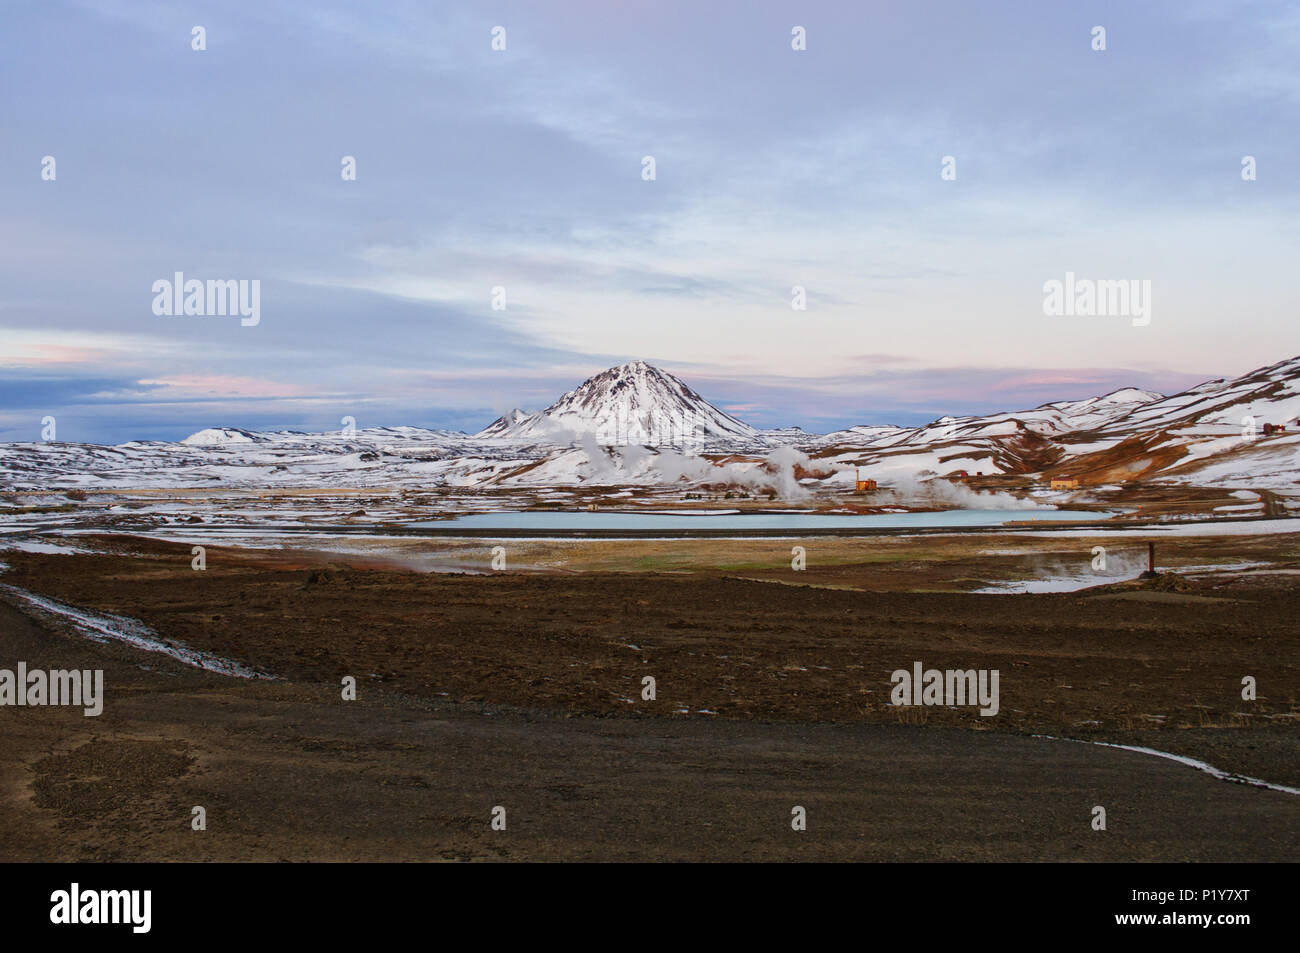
477 690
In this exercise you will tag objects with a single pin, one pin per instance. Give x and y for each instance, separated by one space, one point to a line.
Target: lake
544 520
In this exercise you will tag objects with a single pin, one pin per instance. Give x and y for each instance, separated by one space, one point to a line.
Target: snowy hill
218 437
503 425
633 403
1269 394
637 425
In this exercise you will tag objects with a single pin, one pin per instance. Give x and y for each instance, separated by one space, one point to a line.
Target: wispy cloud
522 169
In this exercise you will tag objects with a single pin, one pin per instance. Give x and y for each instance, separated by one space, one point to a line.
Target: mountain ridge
1211 434
659 402
634 402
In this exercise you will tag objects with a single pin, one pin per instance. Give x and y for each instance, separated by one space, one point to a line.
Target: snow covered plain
584 449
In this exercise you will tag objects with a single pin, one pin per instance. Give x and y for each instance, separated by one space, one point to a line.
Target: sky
522 169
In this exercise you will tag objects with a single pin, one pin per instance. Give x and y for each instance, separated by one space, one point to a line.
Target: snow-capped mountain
1222 432
1210 435
1093 412
633 403
1213 434
218 437
504 425
1270 394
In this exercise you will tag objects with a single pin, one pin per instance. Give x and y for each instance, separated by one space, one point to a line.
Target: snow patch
104 627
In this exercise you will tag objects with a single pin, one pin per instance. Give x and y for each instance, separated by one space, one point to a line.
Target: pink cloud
220 385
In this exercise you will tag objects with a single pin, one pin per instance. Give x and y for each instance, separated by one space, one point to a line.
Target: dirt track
534 665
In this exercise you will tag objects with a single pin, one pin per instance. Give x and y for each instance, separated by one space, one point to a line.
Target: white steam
633 464
910 491
636 464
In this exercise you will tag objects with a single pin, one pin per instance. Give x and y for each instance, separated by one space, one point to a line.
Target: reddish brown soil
479 690
1094 664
